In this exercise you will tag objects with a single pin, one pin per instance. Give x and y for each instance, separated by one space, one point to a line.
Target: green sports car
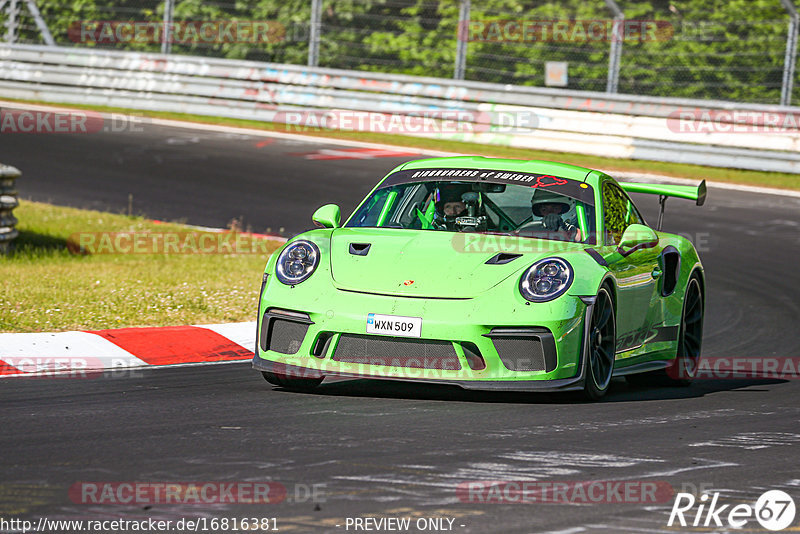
490 274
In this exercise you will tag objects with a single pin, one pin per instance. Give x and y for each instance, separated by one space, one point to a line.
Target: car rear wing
690 192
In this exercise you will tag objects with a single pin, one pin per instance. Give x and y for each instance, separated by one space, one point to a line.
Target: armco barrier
8 201
623 126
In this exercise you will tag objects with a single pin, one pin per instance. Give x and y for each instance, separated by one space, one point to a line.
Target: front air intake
525 349
283 332
397 352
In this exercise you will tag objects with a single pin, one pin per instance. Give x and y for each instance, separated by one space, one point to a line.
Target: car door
636 271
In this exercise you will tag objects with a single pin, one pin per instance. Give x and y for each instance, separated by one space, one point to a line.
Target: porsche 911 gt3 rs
489 274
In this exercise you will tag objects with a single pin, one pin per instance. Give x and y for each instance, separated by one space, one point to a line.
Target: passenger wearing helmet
552 209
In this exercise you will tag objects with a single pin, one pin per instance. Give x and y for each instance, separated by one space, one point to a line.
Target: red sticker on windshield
547 181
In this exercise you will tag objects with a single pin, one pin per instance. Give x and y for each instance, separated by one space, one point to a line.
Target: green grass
46 287
681 170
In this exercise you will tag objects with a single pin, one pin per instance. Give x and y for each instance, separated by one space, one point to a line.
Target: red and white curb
75 353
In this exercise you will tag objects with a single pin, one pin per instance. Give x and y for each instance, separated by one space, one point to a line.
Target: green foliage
615 212
732 50
722 49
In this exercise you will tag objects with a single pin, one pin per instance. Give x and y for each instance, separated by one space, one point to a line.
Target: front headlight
297 262
546 279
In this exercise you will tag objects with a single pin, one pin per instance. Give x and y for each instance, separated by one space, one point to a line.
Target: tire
299 384
682 370
601 347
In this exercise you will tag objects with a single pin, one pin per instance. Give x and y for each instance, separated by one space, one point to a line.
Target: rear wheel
682 370
602 347
300 384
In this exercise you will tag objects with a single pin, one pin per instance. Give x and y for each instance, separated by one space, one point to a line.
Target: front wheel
601 347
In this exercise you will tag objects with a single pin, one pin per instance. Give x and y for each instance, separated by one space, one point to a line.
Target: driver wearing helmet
450 205
551 208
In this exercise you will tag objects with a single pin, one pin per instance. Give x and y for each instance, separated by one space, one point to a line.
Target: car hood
428 263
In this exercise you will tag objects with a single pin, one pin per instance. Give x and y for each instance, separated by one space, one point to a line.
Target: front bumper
464 342
563 384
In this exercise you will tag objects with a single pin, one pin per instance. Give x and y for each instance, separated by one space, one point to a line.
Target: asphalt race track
200 177
382 449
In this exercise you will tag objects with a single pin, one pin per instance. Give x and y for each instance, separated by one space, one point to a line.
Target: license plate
394 325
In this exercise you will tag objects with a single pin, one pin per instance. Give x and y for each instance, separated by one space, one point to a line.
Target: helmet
452 192
546 197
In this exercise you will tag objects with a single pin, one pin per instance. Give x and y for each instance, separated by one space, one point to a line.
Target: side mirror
637 236
328 216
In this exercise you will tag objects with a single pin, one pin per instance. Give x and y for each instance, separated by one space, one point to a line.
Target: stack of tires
8 201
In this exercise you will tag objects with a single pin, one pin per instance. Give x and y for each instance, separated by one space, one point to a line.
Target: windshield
559 209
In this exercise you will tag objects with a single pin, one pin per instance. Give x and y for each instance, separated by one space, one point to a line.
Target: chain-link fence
718 49
732 60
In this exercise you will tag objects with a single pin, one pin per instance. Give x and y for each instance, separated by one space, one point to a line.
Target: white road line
752 440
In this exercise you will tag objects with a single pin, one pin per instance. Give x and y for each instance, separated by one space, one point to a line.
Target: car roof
562 170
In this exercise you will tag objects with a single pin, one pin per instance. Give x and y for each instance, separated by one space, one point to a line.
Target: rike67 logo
774 510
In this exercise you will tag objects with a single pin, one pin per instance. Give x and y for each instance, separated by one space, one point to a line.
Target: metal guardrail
8 201
392 84
590 123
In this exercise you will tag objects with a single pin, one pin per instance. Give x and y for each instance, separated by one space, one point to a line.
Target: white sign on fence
555 73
